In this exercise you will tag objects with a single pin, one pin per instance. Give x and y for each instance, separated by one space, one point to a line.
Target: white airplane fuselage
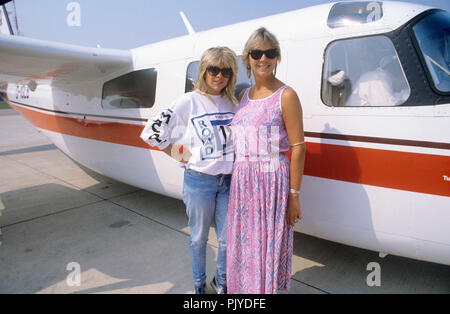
375 177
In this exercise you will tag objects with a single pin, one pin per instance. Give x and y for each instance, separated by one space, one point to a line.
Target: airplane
377 176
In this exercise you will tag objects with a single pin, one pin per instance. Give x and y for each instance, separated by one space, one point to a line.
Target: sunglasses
214 71
270 53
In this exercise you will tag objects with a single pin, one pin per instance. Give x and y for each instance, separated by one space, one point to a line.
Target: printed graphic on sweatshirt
214 131
156 125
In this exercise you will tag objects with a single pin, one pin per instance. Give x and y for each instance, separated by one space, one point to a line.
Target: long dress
259 241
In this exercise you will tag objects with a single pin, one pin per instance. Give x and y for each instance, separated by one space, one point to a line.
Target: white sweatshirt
202 125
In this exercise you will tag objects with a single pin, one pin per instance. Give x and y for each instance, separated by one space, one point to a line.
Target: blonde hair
214 57
259 37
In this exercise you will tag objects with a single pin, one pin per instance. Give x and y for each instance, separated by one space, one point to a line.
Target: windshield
433 36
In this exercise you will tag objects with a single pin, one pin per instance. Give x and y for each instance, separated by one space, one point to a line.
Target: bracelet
292 191
297 144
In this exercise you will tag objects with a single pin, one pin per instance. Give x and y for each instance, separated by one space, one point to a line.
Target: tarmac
68 230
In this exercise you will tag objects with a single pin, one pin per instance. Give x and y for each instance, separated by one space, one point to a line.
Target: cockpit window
130 91
355 13
363 72
433 37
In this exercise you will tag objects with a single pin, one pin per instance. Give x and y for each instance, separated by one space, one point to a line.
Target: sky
133 23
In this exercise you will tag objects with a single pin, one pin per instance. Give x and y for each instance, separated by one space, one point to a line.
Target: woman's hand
293 214
178 152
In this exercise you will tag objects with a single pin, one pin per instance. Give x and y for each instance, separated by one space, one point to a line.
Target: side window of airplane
191 76
242 80
363 72
132 90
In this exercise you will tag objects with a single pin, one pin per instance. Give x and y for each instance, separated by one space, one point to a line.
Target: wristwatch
296 192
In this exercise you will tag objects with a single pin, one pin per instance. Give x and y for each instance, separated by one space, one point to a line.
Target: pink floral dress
259 241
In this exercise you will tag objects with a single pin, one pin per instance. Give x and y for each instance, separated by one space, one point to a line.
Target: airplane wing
24 60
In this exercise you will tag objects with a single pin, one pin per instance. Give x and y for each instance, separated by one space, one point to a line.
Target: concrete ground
58 217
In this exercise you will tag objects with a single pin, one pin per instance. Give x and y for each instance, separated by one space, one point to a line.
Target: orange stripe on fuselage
406 171
415 172
113 132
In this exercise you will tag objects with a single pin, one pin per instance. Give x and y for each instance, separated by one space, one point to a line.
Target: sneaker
200 289
218 289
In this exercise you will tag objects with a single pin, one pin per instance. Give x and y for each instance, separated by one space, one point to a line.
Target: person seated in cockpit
376 88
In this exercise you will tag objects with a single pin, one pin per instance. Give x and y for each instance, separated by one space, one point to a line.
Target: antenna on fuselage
188 25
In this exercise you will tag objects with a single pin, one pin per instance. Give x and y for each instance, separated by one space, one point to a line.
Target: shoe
200 289
218 289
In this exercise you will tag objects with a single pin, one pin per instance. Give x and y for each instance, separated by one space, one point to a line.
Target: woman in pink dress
264 193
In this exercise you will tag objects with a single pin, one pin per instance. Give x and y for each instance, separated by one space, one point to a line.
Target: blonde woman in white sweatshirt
200 121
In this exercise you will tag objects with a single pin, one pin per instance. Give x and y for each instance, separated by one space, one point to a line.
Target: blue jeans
206 199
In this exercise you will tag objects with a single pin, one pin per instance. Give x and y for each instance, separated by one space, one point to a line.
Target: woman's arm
167 128
293 120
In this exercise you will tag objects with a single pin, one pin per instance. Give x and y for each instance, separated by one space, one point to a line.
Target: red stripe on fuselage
113 132
406 171
415 172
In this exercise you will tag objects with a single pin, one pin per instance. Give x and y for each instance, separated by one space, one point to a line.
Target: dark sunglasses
226 72
270 53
